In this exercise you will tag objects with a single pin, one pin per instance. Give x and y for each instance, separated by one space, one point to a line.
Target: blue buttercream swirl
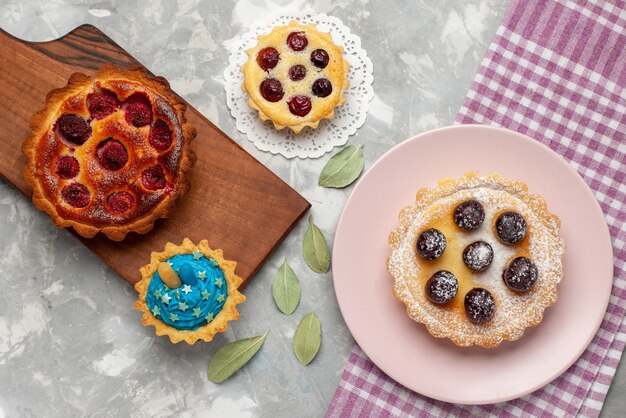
189 306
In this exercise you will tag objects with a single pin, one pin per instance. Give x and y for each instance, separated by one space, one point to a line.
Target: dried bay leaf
230 358
286 289
307 339
343 168
315 249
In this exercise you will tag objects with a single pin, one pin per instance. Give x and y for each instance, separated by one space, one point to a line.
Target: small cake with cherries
189 292
477 260
109 152
295 76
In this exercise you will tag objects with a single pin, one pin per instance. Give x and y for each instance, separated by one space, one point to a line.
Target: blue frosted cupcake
189 292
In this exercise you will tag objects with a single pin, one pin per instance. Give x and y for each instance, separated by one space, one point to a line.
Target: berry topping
299 105
521 274
137 110
319 58
73 128
268 58
297 72
442 287
120 202
153 178
469 214
322 87
297 41
102 105
160 135
67 167
478 255
431 243
187 274
479 305
511 227
76 195
271 90
111 154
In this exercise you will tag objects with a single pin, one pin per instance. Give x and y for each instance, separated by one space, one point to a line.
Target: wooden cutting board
235 202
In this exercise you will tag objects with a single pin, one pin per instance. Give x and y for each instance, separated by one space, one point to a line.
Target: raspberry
76 195
138 110
111 154
67 167
102 105
160 135
153 178
120 202
73 128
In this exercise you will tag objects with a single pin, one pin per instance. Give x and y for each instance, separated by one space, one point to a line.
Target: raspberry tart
477 260
295 76
109 152
189 292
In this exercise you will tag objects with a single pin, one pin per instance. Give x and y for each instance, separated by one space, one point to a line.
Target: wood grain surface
235 202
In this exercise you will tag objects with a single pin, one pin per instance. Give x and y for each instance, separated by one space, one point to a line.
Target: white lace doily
310 143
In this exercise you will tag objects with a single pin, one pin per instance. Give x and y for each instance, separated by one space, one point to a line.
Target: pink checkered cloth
555 71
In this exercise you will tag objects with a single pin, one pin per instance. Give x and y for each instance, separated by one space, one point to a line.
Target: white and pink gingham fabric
555 71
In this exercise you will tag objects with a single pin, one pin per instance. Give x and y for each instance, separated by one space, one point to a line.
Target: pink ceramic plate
404 349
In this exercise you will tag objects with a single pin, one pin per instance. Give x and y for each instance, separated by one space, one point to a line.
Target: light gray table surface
70 342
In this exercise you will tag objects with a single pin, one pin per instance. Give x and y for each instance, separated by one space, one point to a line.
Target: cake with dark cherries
477 260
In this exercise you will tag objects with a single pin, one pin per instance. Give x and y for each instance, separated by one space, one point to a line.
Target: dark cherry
319 58
297 41
521 274
268 58
120 202
67 167
73 128
111 154
431 243
297 72
101 105
478 255
160 135
138 110
322 87
479 305
510 227
469 214
271 90
76 195
442 287
299 105
153 178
